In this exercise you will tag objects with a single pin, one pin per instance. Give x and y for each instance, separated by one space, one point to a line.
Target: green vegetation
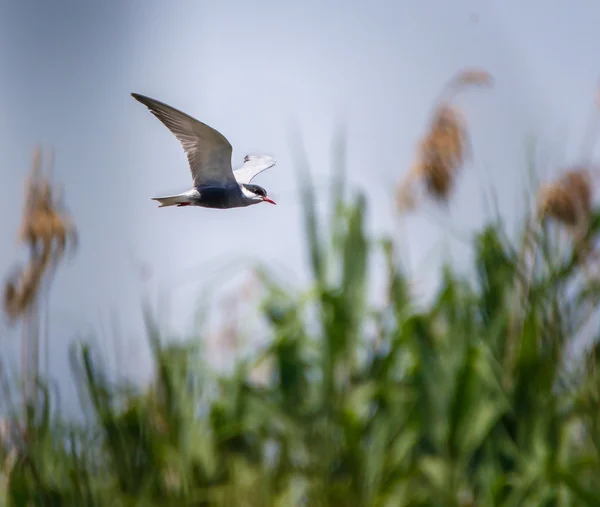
468 401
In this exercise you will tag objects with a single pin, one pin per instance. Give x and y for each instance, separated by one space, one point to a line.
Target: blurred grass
467 402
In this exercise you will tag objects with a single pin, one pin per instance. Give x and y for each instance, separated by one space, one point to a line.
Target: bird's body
216 185
207 196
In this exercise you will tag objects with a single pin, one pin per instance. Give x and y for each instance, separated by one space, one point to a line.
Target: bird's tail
173 200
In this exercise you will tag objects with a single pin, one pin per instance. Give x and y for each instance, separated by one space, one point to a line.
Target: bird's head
256 193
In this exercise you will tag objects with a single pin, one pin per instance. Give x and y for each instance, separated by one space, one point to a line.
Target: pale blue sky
247 68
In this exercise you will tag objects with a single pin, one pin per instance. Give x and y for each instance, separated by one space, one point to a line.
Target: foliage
468 401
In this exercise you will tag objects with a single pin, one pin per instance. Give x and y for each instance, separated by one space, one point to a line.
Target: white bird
208 152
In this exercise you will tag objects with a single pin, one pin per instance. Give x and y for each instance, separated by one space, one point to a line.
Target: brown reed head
444 148
568 200
467 78
46 229
440 155
442 152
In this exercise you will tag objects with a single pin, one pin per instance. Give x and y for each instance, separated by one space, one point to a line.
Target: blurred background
261 72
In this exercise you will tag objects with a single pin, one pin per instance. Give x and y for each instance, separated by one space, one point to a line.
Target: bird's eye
255 189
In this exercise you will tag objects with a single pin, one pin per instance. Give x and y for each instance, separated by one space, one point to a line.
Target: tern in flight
208 152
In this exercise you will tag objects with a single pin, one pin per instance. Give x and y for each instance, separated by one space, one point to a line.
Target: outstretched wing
253 165
208 151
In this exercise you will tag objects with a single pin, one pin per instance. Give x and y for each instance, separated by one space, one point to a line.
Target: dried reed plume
46 230
444 148
468 77
569 199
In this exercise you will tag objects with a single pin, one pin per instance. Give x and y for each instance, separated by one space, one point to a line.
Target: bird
216 184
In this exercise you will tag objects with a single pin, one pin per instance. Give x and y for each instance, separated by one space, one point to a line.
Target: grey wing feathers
207 150
253 165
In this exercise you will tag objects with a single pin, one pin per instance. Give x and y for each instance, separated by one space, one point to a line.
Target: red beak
268 199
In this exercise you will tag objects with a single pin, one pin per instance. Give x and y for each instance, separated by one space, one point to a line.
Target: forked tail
173 200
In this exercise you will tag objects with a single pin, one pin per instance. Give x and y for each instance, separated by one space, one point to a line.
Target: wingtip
263 158
142 99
